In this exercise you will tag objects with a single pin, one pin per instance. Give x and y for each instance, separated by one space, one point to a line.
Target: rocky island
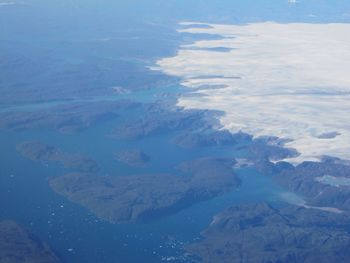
37 151
121 199
17 245
133 157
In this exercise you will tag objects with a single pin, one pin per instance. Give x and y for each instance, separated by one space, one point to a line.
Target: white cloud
289 80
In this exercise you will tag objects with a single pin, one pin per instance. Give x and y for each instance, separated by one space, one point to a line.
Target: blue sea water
88 32
76 233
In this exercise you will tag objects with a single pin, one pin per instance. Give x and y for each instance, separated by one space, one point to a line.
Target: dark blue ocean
57 46
75 233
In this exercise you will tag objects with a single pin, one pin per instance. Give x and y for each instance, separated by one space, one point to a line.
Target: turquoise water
77 234
143 95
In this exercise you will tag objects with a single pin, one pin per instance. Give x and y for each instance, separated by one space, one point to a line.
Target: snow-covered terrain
285 80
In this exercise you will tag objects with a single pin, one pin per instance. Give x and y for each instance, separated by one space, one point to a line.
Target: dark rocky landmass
211 176
269 148
19 246
31 73
303 180
64 117
158 120
120 199
334 160
259 233
37 151
265 152
213 138
133 157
